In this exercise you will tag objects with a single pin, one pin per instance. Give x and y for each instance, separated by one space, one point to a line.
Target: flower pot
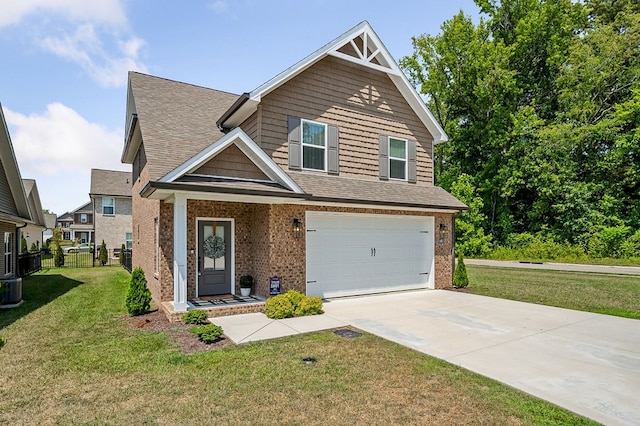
245 291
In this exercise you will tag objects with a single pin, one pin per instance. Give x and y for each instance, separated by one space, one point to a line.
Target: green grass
600 293
71 359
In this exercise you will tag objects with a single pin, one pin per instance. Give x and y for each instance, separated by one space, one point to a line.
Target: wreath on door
214 247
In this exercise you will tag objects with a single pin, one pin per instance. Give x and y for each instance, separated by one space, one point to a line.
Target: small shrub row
195 317
292 303
209 333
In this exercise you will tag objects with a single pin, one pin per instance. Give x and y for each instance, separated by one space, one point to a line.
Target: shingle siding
7 203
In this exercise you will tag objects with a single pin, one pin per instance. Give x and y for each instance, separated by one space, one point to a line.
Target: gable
231 162
13 200
7 203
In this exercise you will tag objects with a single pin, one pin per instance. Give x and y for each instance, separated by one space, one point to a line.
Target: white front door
349 254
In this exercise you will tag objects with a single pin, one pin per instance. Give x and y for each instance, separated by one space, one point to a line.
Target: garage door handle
424 273
311 282
374 252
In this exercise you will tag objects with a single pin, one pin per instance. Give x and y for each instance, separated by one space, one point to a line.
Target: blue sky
65 63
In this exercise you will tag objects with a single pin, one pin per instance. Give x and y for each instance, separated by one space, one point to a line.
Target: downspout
453 240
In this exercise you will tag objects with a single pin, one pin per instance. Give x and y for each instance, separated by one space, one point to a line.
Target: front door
214 257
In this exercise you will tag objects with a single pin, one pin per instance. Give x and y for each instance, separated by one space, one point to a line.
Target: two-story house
78 224
111 200
321 177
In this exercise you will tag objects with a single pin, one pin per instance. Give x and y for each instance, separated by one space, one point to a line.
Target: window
397 158
314 144
108 205
129 240
83 218
8 253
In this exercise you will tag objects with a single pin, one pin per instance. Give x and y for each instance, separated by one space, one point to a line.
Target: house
14 214
111 198
319 180
78 224
32 233
50 222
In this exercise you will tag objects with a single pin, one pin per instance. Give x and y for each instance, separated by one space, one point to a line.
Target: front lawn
600 293
70 358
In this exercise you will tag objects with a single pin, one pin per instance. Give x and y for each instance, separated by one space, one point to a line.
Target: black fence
28 263
127 257
85 259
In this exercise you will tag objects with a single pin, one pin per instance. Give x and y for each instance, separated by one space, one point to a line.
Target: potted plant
246 284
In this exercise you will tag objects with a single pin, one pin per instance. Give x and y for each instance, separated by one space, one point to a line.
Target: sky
63 79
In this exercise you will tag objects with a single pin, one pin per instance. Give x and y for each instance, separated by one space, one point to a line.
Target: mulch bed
460 289
177 331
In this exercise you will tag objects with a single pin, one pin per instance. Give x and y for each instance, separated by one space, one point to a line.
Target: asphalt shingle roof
110 182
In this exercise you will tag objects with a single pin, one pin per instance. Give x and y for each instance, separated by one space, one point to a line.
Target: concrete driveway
587 363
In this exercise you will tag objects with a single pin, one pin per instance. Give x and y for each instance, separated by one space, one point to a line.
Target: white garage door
349 254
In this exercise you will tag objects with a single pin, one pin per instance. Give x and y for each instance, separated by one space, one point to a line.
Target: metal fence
81 259
28 263
127 257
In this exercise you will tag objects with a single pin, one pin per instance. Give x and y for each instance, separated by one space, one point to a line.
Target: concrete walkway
575 267
587 363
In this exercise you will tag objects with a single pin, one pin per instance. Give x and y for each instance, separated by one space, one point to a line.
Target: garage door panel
359 254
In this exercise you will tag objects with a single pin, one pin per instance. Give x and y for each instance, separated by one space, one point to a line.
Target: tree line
541 102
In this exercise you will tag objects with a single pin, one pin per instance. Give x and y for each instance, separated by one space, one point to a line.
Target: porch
218 306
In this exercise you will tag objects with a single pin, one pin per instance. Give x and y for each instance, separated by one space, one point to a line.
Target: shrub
122 254
58 259
138 299
195 317
278 307
33 248
310 306
3 341
460 279
23 245
292 303
103 254
208 333
246 281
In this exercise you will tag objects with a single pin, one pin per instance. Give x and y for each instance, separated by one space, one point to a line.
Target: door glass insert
214 247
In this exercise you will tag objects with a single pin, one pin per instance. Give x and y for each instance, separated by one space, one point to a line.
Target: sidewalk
575 267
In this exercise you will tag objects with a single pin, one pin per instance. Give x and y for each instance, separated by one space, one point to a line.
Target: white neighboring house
111 198
32 232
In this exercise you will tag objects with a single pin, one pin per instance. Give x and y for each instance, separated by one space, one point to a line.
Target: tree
33 248
470 237
23 244
122 248
103 254
460 279
138 298
58 259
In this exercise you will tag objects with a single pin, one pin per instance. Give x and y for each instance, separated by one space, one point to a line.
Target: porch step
218 309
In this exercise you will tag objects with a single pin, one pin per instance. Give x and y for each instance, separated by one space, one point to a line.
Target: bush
121 256
309 306
23 245
292 303
58 259
33 248
208 333
103 254
278 307
195 317
138 299
460 279
3 341
246 281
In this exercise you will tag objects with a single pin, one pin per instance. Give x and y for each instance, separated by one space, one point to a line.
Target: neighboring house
78 224
321 177
111 197
32 233
14 207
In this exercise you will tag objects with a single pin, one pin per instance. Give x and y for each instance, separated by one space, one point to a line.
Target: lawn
70 358
600 293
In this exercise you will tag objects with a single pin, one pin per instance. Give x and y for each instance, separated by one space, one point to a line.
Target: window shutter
332 153
384 157
411 162
295 153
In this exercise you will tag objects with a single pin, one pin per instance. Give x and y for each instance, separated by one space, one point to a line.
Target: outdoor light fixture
296 228
443 231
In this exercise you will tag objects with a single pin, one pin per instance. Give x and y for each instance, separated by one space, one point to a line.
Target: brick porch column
180 253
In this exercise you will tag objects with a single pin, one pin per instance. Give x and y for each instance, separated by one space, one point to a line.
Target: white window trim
112 206
85 217
8 254
405 159
128 243
302 144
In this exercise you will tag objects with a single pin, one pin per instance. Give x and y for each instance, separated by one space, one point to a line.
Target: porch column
180 253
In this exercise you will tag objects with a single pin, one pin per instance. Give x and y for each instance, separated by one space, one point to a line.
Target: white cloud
86 49
58 148
104 11
219 6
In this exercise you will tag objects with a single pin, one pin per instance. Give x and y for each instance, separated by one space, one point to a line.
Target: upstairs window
84 218
397 158
128 236
108 206
314 145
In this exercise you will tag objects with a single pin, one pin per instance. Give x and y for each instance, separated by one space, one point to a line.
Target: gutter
132 126
232 110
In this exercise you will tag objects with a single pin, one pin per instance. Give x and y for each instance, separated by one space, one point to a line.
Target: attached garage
351 254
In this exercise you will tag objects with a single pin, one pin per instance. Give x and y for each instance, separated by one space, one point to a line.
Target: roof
33 201
110 182
372 192
360 45
50 220
15 209
171 117
85 208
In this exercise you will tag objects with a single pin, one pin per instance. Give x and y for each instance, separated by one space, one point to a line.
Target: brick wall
113 228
